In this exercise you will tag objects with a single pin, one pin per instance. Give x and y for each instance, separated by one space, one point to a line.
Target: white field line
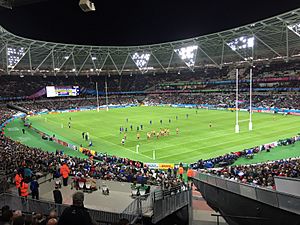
218 144
52 121
213 136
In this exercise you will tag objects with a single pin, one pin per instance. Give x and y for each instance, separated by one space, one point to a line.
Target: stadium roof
276 38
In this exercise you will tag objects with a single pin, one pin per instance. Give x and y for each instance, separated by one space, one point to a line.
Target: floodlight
188 54
94 58
86 5
240 43
141 60
295 28
14 55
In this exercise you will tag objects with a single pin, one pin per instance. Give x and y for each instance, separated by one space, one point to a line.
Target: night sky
135 22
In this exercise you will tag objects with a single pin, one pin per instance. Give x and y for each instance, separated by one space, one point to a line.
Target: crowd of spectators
280 101
261 174
15 86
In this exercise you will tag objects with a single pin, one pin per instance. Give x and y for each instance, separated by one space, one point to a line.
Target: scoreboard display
62 91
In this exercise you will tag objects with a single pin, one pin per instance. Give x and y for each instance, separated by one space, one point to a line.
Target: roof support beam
208 56
159 63
268 46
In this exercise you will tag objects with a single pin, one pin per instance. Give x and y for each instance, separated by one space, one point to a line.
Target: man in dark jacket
34 187
76 214
57 195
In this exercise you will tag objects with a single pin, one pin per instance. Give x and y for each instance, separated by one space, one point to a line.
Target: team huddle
151 134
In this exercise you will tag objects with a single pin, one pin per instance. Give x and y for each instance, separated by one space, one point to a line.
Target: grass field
194 141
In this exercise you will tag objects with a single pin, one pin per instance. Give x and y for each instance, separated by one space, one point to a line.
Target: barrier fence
277 199
158 204
44 207
168 204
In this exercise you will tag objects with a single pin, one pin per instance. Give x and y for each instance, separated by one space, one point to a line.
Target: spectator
52 221
34 187
76 214
20 220
6 215
57 195
123 222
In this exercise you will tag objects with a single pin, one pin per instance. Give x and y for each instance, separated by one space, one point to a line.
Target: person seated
91 184
81 182
105 190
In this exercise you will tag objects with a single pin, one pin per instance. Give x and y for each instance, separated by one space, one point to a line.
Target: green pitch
195 139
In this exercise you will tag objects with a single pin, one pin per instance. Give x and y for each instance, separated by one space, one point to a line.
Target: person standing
64 172
181 171
18 180
24 190
34 187
58 199
189 174
76 214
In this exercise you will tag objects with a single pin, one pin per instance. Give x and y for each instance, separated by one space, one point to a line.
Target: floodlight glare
141 60
295 28
188 54
243 42
14 55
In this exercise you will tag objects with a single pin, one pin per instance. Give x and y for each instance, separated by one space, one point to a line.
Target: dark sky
135 22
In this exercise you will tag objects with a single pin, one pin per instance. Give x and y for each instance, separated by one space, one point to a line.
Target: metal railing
44 207
133 211
158 204
169 204
277 199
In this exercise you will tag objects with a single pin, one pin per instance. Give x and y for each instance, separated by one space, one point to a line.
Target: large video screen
62 91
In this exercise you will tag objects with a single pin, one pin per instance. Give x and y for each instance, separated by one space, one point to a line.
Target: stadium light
141 60
14 55
87 5
295 28
244 42
188 54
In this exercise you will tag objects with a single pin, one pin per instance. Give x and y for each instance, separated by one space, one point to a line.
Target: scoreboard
62 91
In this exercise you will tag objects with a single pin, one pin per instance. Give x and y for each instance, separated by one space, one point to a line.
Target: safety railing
133 211
44 207
169 204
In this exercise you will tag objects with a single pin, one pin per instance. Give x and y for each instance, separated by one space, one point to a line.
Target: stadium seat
81 185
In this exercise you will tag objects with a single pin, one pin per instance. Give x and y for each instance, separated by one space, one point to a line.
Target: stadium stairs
243 204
